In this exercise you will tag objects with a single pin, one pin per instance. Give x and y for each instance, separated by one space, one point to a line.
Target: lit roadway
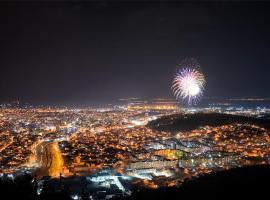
7 144
49 158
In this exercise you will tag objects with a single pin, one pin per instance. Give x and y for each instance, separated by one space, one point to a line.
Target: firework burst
188 83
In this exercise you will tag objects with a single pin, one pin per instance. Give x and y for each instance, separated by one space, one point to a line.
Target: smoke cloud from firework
189 82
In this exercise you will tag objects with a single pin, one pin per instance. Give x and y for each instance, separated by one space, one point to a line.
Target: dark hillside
187 122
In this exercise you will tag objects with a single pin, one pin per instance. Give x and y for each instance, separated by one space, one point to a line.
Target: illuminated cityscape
112 146
134 100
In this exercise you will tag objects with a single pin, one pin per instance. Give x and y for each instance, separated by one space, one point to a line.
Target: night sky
95 53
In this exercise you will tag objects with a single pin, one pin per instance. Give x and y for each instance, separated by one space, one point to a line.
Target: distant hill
187 122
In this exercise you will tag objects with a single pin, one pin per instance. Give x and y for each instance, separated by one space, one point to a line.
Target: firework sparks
188 83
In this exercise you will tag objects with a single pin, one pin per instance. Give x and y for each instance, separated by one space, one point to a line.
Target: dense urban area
103 153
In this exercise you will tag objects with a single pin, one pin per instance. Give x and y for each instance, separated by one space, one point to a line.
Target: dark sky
86 53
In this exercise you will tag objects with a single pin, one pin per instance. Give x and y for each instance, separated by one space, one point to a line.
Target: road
10 142
49 158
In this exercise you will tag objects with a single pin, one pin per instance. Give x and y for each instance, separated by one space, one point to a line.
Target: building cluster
113 146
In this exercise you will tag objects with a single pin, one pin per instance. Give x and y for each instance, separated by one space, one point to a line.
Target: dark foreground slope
187 122
244 182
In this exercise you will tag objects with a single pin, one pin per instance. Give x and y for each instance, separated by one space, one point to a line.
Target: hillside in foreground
243 182
239 182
